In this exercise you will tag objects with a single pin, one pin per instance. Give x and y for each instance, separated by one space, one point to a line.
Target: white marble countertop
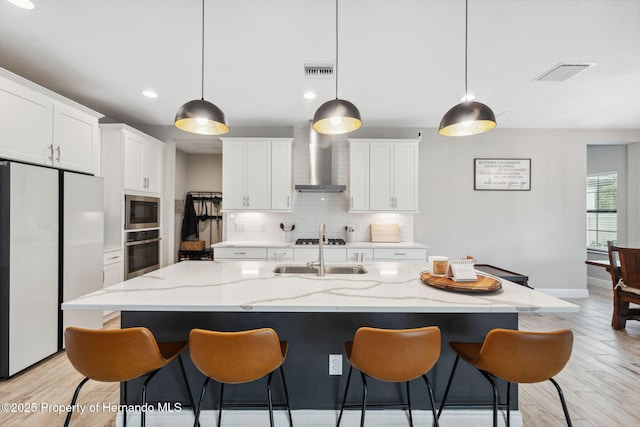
276 244
252 286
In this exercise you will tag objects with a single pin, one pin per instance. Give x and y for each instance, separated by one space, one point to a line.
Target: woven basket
192 245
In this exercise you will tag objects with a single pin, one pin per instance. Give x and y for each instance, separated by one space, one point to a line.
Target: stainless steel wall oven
142 252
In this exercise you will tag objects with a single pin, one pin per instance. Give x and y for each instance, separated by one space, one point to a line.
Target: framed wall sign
502 174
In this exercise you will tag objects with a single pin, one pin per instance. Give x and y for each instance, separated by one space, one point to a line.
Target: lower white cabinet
113 268
279 254
400 254
255 254
359 255
311 254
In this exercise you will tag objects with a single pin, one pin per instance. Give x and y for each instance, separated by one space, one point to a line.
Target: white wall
540 233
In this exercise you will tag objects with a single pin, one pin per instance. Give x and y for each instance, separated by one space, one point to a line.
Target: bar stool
516 357
399 355
238 357
120 355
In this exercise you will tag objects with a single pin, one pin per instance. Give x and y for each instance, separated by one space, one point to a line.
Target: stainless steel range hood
320 158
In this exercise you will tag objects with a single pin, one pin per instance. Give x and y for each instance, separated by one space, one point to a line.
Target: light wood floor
601 382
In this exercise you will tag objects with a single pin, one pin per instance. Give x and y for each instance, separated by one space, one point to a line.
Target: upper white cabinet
40 127
383 175
256 173
142 163
76 139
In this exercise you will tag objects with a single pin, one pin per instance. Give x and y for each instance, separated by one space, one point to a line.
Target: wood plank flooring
601 382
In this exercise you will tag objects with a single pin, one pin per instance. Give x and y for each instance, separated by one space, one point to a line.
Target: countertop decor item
469 117
337 116
200 116
385 233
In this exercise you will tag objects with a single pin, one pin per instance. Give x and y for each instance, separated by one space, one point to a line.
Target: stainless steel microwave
141 212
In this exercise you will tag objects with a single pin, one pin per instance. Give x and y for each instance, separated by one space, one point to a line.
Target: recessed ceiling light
24 4
150 93
309 95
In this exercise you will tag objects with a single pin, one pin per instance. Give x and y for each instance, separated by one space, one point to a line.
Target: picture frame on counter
502 174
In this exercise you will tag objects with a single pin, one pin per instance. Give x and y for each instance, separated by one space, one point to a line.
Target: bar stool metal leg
286 396
364 398
433 403
269 399
143 411
409 403
495 397
186 383
446 391
204 389
564 403
73 401
344 398
220 401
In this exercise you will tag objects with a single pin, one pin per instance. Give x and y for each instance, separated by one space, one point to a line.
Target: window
602 213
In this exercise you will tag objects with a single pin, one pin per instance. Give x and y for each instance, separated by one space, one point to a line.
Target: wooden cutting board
385 233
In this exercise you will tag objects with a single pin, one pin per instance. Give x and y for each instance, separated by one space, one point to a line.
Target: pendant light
338 115
468 117
200 116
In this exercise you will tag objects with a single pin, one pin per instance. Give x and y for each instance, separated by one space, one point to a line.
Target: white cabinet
311 254
256 174
113 271
358 176
400 254
279 254
76 140
142 163
389 179
359 255
281 175
240 253
36 128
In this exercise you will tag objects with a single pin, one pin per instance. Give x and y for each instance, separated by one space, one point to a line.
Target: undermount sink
329 269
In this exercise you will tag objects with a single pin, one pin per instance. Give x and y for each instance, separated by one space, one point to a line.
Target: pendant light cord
336 49
466 38
202 57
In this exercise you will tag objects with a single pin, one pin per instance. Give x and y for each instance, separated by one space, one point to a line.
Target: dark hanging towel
190 221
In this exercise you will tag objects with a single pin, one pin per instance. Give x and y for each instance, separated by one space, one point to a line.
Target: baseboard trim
600 283
318 418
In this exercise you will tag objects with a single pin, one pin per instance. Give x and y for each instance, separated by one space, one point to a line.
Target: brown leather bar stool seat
393 355
119 355
239 357
516 357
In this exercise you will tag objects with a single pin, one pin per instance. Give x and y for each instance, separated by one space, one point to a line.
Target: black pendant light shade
201 117
336 117
467 118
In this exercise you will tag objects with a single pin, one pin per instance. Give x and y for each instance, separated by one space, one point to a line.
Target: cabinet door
258 175
281 175
112 274
75 139
133 173
405 176
358 176
25 124
152 166
233 175
381 176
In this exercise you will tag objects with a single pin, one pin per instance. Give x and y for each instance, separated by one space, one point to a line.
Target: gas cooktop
317 242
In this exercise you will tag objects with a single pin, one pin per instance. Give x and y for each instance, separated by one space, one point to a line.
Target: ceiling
401 62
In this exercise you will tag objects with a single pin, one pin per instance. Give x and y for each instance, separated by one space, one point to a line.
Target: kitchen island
316 315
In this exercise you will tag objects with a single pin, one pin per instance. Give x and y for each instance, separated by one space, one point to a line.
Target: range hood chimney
320 158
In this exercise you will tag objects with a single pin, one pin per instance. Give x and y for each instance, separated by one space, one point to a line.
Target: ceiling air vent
318 71
562 72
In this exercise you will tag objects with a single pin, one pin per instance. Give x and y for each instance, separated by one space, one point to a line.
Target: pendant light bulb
200 116
337 116
469 117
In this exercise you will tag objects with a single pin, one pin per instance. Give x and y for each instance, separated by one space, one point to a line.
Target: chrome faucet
321 240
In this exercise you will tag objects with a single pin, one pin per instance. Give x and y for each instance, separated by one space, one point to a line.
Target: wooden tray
483 284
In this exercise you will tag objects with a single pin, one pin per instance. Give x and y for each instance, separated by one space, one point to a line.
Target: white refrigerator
50 250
